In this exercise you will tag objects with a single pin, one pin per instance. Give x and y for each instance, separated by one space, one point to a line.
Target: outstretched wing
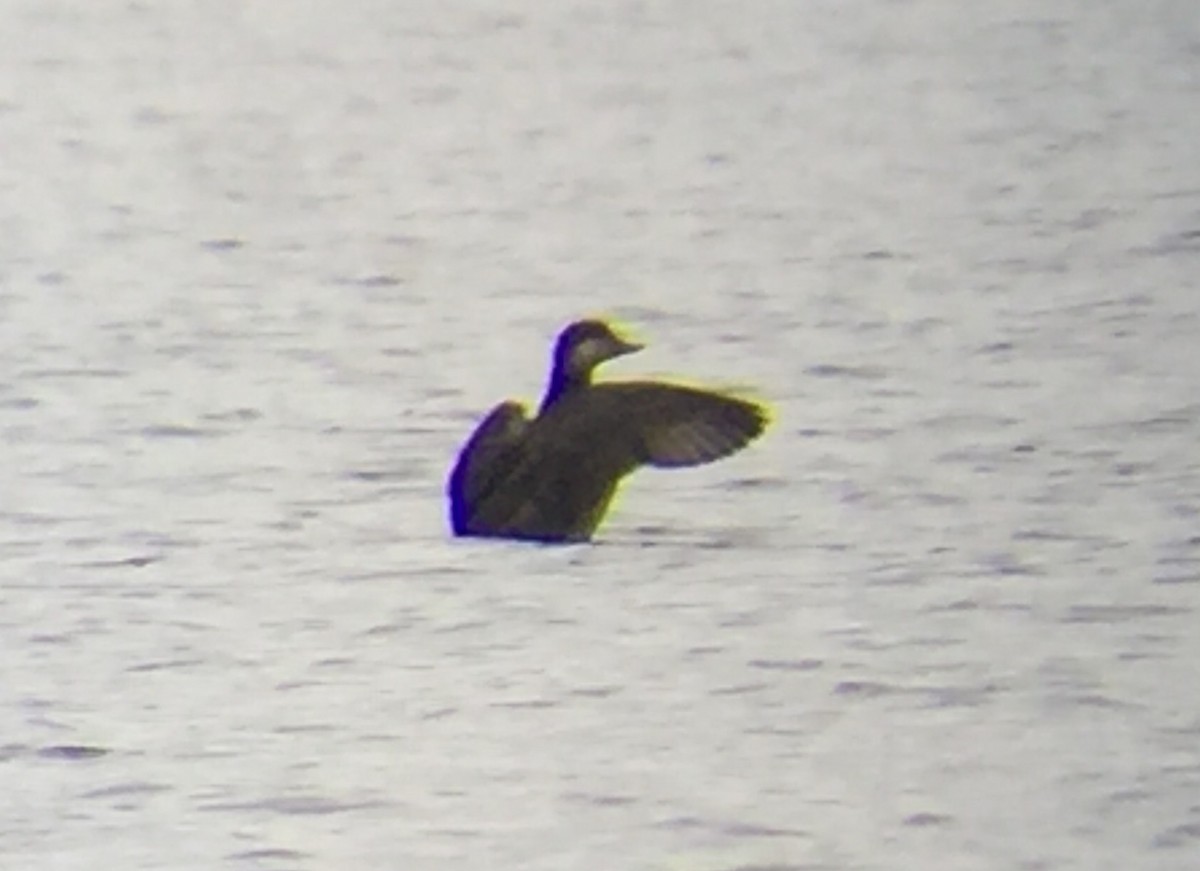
481 461
669 426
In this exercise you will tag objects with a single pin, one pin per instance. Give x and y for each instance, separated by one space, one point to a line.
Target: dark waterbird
550 478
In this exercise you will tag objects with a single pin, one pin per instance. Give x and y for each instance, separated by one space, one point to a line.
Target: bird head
584 345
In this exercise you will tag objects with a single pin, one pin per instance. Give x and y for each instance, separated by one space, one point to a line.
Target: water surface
262 267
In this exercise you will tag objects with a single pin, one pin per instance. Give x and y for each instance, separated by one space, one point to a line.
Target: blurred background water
262 265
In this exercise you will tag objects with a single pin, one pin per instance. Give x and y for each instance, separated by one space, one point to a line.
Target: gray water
262 265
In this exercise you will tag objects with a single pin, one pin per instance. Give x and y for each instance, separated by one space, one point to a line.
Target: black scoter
550 478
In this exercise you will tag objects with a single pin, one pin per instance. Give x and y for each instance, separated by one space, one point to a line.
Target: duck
550 478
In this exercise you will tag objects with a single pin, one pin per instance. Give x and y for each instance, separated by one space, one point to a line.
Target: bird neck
564 381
